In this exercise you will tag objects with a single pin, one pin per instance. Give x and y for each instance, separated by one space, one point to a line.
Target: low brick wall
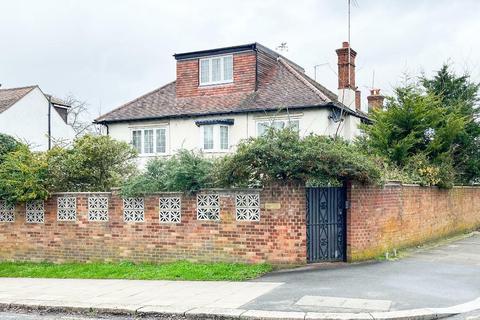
396 216
278 237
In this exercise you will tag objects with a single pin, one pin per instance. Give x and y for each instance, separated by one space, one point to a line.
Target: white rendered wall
27 120
185 134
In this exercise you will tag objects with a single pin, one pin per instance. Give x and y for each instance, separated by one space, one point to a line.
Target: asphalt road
442 276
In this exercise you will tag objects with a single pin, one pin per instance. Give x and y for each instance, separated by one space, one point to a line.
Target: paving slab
348 303
279 315
153 310
338 316
216 312
414 314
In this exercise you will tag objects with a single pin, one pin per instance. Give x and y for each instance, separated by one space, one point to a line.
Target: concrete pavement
440 281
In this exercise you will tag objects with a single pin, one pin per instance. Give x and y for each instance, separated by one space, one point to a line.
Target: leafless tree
80 118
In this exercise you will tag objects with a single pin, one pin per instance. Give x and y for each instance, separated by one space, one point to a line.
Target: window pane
294 124
204 71
216 75
161 141
278 124
208 137
224 137
261 128
137 140
148 141
228 68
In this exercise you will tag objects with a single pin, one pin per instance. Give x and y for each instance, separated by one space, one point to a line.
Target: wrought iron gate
326 224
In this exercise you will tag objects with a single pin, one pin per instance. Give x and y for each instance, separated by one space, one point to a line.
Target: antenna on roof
282 47
373 79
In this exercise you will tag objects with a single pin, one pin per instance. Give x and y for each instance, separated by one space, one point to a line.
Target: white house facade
25 113
222 96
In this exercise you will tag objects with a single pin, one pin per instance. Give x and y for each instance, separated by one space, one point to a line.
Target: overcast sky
109 52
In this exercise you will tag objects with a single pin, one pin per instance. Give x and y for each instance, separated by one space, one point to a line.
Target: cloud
109 52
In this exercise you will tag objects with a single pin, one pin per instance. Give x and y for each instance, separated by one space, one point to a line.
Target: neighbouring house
35 118
221 96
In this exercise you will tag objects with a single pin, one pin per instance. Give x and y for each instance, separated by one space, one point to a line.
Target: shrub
186 171
23 176
283 155
7 144
94 163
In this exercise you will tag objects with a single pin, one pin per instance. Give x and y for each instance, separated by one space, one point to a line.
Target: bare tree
80 118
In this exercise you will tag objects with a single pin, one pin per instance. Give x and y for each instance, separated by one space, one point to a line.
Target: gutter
193 115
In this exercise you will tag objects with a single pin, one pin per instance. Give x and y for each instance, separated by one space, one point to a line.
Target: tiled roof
285 87
8 97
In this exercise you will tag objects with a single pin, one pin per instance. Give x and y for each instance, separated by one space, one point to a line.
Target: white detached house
221 96
33 117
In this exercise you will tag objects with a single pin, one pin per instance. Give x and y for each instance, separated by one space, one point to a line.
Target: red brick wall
279 236
395 216
244 77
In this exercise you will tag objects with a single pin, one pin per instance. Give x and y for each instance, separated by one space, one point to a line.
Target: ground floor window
262 126
150 140
215 138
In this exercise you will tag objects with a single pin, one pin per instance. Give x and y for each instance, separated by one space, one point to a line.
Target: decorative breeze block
170 210
97 209
133 210
7 211
208 207
248 207
66 208
35 211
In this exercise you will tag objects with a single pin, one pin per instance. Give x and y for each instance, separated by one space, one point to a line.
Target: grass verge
181 270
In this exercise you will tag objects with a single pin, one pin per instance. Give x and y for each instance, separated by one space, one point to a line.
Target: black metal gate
326 224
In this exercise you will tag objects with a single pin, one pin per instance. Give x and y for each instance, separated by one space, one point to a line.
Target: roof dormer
216 71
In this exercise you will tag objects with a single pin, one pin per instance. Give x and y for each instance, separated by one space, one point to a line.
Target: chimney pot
375 100
345 44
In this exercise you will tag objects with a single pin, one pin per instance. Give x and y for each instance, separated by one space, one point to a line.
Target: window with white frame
216 70
215 138
149 141
263 126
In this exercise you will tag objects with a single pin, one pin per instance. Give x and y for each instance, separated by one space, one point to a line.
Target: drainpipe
49 122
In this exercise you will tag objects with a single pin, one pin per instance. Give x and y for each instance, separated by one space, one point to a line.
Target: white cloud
108 52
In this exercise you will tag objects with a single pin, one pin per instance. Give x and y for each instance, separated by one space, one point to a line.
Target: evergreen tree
459 95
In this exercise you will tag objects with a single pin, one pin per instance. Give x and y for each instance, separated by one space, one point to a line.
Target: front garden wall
395 216
278 238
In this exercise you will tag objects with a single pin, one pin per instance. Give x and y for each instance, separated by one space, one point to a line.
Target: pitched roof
285 86
9 97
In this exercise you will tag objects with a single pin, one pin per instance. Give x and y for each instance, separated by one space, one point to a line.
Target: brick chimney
346 75
358 100
375 100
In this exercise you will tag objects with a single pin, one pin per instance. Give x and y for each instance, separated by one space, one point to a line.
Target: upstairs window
216 70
